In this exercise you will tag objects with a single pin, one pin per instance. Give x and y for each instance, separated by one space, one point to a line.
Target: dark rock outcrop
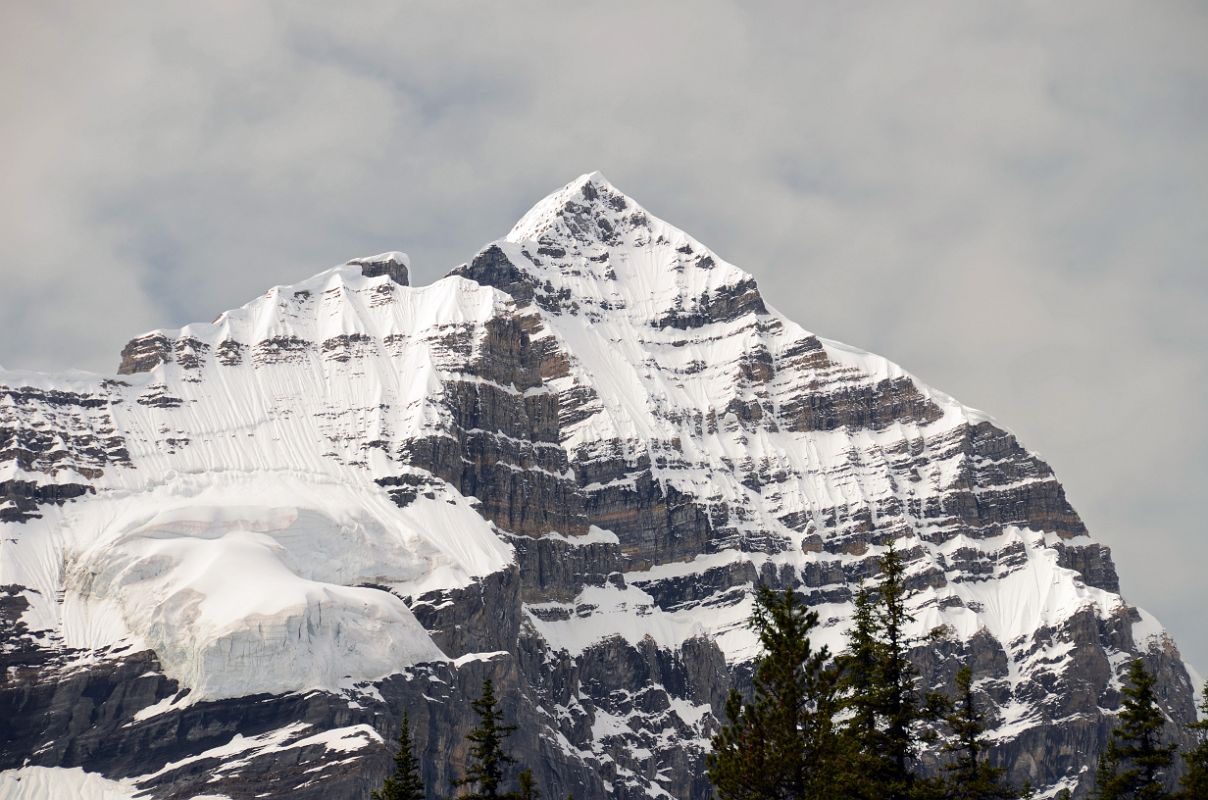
709 447
392 265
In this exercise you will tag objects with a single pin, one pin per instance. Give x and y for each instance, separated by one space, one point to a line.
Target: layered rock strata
230 568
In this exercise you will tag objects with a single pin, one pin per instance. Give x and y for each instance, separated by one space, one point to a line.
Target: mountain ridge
564 466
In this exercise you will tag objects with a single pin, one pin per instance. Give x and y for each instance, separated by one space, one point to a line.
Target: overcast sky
1011 200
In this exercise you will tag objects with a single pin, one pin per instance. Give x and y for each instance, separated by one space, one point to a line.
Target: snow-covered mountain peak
564 467
590 250
584 193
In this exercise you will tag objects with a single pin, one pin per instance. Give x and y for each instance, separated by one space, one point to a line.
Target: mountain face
228 569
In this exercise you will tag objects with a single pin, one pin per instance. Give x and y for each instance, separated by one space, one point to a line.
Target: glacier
565 466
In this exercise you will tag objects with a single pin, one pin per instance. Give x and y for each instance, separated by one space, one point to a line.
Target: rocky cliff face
230 568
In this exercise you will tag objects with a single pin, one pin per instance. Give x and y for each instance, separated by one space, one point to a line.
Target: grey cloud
1008 200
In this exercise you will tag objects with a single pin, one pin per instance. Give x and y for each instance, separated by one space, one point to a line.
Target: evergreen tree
1134 765
885 712
862 695
488 759
1107 767
970 777
782 744
861 668
528 787
405 783
1194 782
901 708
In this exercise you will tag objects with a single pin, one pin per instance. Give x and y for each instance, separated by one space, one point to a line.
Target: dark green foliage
488 759
900 709
862 696
1135 763
863 691
1194 783
528 787
405 783
782 745
969 775
854 729
1106 770
886 716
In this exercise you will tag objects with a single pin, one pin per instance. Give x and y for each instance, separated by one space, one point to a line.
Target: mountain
227 569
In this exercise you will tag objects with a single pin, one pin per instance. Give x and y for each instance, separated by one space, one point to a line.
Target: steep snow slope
249 461
39 783
778 433
564 467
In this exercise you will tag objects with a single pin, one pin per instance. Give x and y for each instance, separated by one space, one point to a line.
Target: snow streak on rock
565 467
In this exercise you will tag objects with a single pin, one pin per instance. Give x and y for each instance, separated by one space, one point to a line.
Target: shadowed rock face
392 265
649 438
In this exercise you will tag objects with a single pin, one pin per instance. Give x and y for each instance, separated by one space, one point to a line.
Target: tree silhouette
488 759
405 783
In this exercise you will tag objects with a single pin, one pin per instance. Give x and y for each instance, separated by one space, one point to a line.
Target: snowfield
261 500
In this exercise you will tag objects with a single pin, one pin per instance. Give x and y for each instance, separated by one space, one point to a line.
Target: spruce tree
1135 763
902 708
861 668
782 744
861 698
885 712
488 759
405 783
1194 783
970 776
1107 767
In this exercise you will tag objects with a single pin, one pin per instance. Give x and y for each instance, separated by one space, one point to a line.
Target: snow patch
1148 633
51 783
237 597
